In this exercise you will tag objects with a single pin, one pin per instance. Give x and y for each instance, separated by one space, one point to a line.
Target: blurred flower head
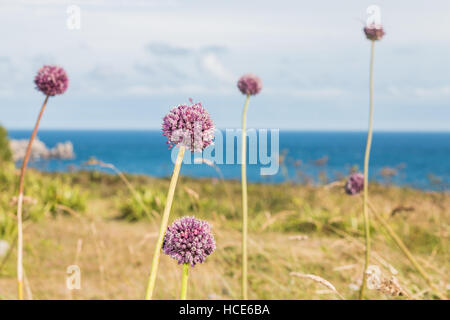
374 32
355 183
189 240
189 126
250 84
51 80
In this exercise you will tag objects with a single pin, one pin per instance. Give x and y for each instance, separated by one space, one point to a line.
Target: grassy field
92 220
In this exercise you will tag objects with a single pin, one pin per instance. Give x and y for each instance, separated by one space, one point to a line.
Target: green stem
164 222
366 175
184 281
244 200
406 252
20 202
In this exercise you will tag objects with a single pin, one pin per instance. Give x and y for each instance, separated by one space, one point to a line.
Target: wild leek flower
354 184
189 241
373 33
248 84
51 81
185 126
189 126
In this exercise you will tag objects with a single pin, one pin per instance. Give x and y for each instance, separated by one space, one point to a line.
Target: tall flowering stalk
398 241
188 127
189 241
354 186
51 81
373 33
248 84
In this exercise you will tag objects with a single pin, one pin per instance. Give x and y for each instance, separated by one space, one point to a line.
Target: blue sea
420 160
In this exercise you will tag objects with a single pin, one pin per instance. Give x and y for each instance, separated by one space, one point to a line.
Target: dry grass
115 255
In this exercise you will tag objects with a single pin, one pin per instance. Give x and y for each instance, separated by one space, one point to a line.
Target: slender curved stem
406 252
127 182
136 194
184 281
164 222
366 174
20 202
244 200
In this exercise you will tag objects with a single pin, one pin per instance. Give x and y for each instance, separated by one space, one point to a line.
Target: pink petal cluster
189 240
51 80
189 126
250 84
374 32
355 183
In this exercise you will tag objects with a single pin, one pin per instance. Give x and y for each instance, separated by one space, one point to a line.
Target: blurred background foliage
294 227
5 152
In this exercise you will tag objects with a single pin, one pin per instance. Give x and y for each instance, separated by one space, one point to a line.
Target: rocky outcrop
40 151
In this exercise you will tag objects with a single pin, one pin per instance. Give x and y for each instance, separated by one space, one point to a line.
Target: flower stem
406 252
184 281
366 174
164 222
20 202
244 200
136 194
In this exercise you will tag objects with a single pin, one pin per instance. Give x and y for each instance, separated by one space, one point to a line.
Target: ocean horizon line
397 157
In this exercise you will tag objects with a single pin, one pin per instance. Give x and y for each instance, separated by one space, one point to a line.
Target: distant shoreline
418 160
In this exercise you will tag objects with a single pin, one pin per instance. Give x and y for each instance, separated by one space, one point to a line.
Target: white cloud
420 92
212 64
307 93
320 92
433 92
163 48
130 48
143 90
110 3
149 91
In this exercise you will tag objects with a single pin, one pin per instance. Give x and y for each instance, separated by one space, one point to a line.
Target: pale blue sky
133 60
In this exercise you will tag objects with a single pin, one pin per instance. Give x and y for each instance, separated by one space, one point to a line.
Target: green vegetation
132 208
5 151
44 196
292 228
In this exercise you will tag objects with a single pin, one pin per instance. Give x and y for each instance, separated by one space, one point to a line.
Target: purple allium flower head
374 32
250 84
355 183
189 240
189 126
51 80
